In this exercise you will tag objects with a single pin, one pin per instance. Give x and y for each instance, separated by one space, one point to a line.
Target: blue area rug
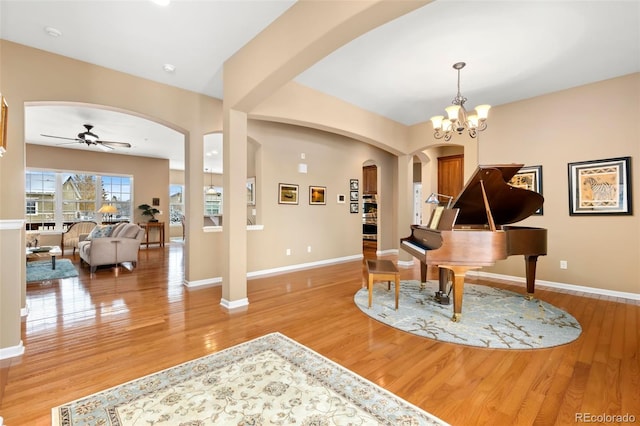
271 380
491 317
41 270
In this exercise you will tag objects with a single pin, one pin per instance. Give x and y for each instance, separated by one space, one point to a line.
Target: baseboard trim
562 286
300 266
275 271
208 282
234 304
386 252
12 351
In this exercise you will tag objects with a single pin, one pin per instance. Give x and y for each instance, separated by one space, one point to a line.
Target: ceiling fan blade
60 137
69 143
104 147
120 144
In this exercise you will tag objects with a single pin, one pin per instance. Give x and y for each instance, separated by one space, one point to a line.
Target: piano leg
423 274
459 272
442 296
530 266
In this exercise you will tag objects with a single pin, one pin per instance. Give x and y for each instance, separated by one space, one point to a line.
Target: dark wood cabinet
450 175
370 180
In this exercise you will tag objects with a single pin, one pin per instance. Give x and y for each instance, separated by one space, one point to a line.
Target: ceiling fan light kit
458 120
89 138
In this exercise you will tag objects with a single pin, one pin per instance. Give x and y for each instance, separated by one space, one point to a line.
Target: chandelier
457 118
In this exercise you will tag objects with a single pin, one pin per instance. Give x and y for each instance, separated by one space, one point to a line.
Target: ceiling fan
90 138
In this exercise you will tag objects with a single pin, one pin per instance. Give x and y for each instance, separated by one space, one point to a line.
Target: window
212 201
116 190
54 200
176 204
32 207
78 197
40 193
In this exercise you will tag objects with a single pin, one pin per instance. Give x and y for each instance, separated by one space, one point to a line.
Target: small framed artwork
251 191
4 116
600 187
353 208
530 178
317 195
341 198
287 193
353 196
155 201
354 184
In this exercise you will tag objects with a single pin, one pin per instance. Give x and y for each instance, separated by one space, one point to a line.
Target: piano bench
383 270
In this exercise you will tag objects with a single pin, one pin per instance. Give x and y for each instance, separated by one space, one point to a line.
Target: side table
148 227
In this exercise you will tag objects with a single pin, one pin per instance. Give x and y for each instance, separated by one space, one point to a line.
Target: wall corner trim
11 224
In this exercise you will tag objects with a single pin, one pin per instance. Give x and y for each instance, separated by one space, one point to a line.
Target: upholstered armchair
111 245
74 234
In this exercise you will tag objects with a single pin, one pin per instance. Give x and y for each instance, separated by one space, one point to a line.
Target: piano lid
508 204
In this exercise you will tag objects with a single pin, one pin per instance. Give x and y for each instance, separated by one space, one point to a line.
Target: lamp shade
483 111
452 112
437 121
433 199
108 208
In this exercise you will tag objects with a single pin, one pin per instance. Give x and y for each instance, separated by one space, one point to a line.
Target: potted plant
150 211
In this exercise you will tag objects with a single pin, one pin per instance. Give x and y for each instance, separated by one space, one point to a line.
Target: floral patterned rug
491 317
271 380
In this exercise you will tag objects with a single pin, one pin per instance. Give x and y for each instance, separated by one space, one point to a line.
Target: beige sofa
121 245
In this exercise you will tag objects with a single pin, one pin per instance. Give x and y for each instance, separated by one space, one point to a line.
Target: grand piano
476 232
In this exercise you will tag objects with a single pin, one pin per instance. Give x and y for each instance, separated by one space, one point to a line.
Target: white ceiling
514 49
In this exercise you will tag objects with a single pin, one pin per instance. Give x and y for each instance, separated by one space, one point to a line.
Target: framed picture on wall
529 177
354 184
251 191
600 187
4 116
287 193
353 208
317 195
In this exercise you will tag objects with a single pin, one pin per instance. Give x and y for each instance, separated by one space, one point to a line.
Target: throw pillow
100 231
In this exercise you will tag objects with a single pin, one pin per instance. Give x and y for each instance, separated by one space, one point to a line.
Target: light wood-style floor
83 335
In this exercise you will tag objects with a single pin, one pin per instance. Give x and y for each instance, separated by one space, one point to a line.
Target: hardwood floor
83 335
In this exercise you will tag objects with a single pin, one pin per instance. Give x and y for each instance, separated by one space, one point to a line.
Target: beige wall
590 122
331 230
150 175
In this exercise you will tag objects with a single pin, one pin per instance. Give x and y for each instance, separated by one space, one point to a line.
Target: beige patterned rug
271 380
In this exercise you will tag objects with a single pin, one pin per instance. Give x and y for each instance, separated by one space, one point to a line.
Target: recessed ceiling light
53 32
169 68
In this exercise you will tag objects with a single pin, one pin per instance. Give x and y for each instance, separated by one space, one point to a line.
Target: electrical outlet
288 252
563 264
308 249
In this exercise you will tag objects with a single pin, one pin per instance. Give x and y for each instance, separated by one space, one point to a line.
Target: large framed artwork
600 187
317 195
287 193
529 177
